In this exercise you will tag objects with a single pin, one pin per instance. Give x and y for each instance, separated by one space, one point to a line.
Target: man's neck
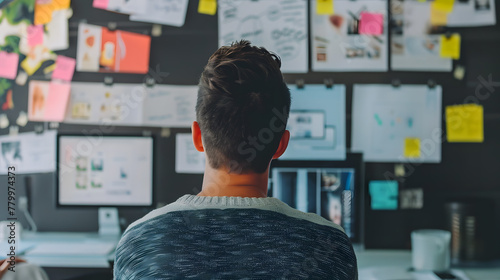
219 182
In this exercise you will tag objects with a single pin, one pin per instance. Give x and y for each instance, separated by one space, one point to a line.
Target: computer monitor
332 189
105 171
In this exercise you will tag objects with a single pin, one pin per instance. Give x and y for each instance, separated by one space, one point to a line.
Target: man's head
242 109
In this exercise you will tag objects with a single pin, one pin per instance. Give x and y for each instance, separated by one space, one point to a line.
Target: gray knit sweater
233 238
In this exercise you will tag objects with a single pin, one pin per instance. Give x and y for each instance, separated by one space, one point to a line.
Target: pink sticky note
57 101
35 35
8 65
371 23
65 67
100 4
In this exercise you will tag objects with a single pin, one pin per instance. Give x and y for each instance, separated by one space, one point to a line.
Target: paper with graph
397 124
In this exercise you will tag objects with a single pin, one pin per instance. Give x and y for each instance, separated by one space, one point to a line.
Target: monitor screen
105 170
329 189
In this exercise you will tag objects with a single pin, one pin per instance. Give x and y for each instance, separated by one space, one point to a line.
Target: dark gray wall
466 170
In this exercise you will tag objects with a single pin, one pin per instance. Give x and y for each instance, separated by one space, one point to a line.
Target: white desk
401 260
94 261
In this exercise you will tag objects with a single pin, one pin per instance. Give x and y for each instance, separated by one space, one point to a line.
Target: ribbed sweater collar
228 201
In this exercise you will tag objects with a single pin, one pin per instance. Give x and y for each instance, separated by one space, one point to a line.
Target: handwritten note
324 7
208 7
168 12
443 5
371 24
384 195
412 148
65 67
450 46
100 4
8 67
57 101
464 123
35 35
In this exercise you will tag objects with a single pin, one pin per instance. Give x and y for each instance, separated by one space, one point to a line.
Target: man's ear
283 144
196 132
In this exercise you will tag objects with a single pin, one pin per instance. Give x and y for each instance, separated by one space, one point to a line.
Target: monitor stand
109 224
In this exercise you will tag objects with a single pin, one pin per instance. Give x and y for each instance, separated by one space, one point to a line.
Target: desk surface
401 259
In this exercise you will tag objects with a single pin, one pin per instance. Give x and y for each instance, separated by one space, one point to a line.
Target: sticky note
8 65
450 46
57 101
35 35
438 17
324 7
371 23
208 7
443 5
384 195
44 9
465 123
100 4
412 148
65 67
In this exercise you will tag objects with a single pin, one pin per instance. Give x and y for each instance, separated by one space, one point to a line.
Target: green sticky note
384 195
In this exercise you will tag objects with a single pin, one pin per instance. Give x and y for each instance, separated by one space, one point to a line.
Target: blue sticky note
384 195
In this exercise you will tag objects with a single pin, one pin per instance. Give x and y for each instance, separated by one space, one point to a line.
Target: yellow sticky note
450 47
438 17
464 123
412 147
324 7
443 5
208 7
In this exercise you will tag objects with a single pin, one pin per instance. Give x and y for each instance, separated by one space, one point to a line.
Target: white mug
430 249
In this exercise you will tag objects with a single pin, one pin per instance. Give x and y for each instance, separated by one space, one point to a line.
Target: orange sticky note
324 7
44 9
8 64
443 5
412 148
207 7
57 101
465 123
450 47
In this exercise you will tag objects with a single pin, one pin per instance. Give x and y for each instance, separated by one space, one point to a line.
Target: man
231 230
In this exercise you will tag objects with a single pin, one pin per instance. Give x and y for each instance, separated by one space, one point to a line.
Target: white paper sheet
384 116
96 103
168 12
127 6
56 36
88 47
331 102
187 158
279 25
28 152
414 43
472 13
170 106
336 43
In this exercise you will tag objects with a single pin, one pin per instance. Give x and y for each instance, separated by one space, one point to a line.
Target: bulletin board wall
466 169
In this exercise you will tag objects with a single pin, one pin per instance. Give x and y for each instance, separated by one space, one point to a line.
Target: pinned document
464 123
443 5
450 46
187 158
438 17
371 24
8 67
412 148
324 7
384 195
208 7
